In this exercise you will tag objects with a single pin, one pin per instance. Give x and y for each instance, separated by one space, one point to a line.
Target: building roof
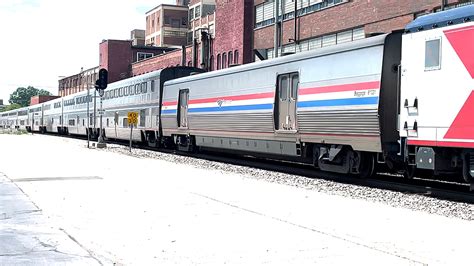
442 19
165 5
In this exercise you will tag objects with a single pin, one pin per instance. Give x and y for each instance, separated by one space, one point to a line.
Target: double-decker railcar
52 116
141 94
22 117
74 113
35 118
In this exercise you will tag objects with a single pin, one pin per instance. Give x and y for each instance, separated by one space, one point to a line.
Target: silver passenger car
141 94
332 96
74 113
35 118
52 116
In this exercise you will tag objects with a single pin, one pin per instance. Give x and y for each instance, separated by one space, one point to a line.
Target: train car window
283 92
125 122
152 85
182 115
294 86
130 90
142 118
71 122
144 87
116 93
433 54
107 122
125 91
137 88
83 122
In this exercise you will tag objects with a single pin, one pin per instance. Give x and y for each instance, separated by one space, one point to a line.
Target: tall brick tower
234 30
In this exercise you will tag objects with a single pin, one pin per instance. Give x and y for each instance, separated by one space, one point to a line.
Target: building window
236 57
211 63
433 54
191 14
174 33
197 12
143 56
264 14
175 23
321 41
218 62
230 58
224 60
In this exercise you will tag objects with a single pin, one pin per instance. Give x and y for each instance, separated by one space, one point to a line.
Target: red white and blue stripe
345 95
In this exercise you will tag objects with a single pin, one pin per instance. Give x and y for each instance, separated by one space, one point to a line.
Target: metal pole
88 116
95 111
295 26
101 142
443 4
131 129
276 33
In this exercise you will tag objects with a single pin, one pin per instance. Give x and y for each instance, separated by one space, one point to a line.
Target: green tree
23 95
10 107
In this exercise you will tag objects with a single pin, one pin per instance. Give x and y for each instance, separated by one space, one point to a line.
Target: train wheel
367 165
409 171
466 169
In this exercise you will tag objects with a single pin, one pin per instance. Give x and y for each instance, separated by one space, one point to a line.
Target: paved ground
113 208
26 237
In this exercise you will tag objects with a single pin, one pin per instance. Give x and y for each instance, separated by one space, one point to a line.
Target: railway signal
100 86
101 83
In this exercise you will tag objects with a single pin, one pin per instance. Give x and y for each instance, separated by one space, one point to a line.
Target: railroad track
444 190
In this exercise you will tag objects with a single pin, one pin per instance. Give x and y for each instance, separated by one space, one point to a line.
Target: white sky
44 39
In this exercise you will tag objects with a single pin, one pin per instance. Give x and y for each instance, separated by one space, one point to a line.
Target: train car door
183 108
286 98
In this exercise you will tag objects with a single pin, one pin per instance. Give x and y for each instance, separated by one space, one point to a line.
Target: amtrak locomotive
403 101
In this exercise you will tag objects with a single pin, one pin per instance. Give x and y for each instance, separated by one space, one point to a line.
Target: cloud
44 39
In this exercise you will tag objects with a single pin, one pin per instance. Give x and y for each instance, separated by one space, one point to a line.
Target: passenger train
403 101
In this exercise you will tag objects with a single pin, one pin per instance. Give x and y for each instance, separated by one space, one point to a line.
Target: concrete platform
27 238
136 211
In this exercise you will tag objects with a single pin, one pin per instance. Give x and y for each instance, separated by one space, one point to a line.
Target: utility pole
276 37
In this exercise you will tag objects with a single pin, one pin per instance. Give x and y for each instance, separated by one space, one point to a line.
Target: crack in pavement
308 228
7 216
91 254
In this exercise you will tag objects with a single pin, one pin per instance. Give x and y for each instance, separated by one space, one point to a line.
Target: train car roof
147 76
359 44
442 19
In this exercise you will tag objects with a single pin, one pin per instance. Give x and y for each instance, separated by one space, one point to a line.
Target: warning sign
132 118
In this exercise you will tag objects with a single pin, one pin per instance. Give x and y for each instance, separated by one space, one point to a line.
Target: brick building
222 33
41 99
211 47
166 25
117 56
137 37
328 22
78 82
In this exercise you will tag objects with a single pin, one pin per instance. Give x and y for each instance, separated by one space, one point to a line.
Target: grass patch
13 131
